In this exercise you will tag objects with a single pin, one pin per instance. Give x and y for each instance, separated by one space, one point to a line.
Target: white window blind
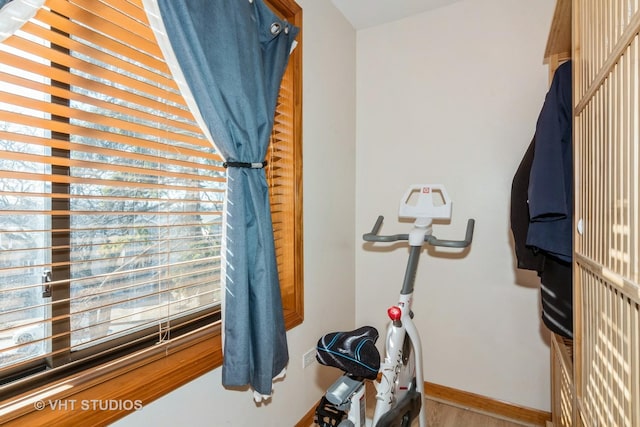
110 195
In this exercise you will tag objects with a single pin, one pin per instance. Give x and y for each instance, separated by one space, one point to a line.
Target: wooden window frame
137 379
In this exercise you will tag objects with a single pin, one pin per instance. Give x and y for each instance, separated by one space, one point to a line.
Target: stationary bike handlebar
373 236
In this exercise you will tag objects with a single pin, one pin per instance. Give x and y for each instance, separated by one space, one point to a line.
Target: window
111 209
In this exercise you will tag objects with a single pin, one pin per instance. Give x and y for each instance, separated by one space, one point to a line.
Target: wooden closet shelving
595 380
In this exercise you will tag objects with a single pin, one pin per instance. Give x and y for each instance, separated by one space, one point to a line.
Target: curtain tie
245 165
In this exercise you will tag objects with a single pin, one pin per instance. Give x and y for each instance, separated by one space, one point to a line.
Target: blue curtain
233 54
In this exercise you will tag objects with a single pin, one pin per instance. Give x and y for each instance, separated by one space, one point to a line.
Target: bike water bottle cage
353 352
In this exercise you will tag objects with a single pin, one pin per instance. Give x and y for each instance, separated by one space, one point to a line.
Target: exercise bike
398 380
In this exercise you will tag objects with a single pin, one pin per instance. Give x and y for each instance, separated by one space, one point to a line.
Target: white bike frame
392 368
399 374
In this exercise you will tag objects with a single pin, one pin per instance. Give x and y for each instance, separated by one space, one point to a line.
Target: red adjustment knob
394 313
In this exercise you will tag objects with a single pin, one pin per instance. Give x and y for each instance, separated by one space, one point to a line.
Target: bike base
402 414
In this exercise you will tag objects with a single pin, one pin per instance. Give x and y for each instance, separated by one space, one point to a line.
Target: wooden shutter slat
70 27
101 104
114 198
66 77
103 120
133 32
101 56
122 12
59 161
66 145
63 179
65 60
69 129
117 9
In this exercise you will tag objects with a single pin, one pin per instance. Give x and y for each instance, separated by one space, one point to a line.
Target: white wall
329 271
452 96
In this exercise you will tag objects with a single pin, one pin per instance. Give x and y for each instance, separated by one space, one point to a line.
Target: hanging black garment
555 275
556 291
542 206
527 258
550 191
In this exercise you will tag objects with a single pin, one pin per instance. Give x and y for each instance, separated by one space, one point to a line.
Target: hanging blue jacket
551 179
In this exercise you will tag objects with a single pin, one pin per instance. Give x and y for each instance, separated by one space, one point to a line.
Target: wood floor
445 415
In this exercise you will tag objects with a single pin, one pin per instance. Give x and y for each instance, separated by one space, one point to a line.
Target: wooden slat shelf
559 40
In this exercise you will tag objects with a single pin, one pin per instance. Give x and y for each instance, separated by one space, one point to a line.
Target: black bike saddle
353 352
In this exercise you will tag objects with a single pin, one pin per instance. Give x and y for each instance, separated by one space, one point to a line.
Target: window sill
122 386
